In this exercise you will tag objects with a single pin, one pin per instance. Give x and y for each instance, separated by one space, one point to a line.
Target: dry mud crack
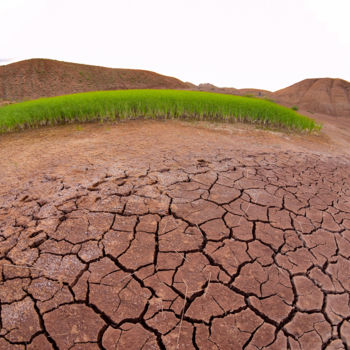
233 250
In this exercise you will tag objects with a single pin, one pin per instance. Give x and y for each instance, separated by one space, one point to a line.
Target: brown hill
233 91
324 95
36 78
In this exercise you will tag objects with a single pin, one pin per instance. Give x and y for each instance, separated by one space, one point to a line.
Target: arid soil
169 235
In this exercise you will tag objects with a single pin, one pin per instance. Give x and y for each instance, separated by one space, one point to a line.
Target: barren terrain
169 235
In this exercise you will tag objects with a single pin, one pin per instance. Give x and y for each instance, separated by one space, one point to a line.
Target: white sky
266 44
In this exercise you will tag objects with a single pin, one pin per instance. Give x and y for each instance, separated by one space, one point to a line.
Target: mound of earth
326 95
35 78
231 243
232 91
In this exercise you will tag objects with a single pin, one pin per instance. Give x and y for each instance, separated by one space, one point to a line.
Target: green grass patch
154 104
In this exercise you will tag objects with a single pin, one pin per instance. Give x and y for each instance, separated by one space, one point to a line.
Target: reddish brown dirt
150 235
37 78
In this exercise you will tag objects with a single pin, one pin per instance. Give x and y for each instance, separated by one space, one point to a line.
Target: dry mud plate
215 247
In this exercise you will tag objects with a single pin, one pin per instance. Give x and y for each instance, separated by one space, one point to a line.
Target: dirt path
150 235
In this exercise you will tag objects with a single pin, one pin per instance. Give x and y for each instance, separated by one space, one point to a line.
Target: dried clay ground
166 235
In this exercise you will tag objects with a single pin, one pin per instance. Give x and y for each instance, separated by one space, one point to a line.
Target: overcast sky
266 44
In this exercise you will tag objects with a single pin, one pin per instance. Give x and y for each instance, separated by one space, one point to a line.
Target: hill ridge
323 95
35 78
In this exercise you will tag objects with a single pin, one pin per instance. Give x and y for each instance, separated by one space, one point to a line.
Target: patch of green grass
154 104
295 108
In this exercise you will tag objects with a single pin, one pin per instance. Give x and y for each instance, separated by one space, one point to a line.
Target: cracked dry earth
227 249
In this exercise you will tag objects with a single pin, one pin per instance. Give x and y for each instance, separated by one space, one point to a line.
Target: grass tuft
154 104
